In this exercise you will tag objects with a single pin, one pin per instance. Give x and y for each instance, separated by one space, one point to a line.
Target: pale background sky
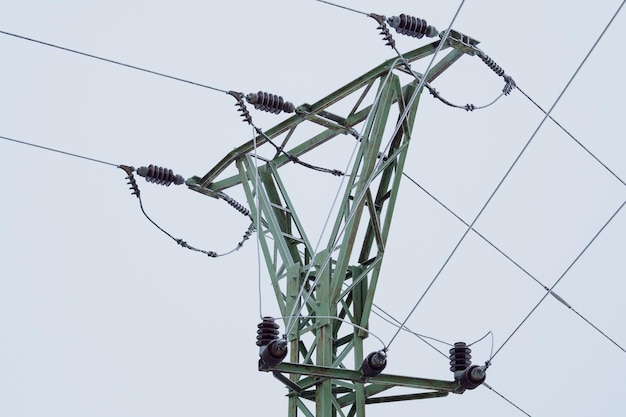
102 315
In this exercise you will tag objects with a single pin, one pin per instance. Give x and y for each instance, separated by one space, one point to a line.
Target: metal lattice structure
339 279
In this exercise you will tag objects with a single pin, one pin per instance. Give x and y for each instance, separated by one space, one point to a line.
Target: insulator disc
160 175
460 357
267 331
270 102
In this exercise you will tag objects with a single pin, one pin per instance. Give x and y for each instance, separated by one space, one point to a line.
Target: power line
59 151
111 61
501 252
560 278
505 399
343 7
534 134
573 138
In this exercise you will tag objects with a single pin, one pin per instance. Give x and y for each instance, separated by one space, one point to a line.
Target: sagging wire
267 106
157 175
166 177
573 138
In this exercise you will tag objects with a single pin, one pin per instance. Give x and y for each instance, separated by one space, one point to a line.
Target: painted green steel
327 293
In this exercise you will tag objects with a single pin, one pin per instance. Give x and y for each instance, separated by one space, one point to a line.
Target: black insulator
412 26
374 364
159 175
460 358
491 64
270 102
267 331
472 377
274 353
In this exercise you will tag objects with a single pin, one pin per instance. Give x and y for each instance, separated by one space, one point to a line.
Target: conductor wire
75 155
111 61
471 226
343 7
559 279
521 268
574 138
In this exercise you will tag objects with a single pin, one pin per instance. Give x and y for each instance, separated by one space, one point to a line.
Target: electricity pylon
326 294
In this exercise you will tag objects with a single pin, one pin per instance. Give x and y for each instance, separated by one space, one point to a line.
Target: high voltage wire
111 61
560 278
521 268
129 171
497 188
504 398
573 138
342 7
547 114
75 155
63 48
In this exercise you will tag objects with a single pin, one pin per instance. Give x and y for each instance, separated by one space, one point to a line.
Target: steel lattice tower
323 366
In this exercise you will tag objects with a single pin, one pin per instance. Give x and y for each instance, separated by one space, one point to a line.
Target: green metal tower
325 296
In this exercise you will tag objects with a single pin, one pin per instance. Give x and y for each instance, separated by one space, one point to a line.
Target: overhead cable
559 280
521 268
534 134
111 61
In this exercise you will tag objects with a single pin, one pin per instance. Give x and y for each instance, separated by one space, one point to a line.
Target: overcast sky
103 315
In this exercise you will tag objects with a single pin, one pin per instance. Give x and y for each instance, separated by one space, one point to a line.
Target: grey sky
102 315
